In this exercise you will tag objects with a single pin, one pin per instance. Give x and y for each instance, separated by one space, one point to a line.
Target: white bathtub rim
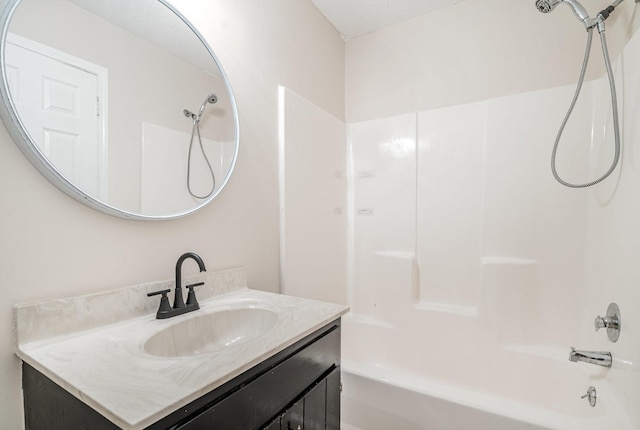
490 403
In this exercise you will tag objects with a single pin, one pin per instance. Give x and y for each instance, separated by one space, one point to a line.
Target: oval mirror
121 104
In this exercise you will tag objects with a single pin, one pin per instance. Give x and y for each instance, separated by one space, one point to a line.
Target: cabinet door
319 409
293 418
275 425
333 400
322 404
315 405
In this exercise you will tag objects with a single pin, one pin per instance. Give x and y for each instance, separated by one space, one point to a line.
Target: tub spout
600 358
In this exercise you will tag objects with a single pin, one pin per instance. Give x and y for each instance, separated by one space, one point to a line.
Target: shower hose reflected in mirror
546 6
211 98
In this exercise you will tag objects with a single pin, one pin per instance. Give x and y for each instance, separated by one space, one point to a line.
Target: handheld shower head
211 98
546 6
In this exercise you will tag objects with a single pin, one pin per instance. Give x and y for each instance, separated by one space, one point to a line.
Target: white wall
313 201
52 246
471 51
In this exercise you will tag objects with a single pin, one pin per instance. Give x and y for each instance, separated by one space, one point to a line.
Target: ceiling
355 17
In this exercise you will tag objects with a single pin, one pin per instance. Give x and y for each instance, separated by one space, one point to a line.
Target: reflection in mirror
117 96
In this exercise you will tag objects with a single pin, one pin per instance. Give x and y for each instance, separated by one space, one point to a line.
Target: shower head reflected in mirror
211 98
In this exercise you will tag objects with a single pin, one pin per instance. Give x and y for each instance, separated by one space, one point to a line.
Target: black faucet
179 307
178 302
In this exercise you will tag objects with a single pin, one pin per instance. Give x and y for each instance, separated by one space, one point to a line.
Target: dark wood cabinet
293 418
318 409
297 388
275 425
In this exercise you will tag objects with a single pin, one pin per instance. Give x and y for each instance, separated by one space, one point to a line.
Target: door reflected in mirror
123 101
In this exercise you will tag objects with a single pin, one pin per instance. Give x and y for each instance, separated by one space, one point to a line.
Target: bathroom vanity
274 365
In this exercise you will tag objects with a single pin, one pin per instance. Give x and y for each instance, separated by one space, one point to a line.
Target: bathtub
388 387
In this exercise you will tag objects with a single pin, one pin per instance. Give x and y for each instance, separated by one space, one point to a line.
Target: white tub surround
93 345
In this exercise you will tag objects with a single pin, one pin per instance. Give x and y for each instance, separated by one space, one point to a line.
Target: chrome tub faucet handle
612 322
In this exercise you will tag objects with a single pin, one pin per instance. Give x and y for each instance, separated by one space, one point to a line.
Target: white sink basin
210 332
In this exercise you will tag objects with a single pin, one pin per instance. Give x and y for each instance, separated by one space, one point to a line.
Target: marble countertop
99 357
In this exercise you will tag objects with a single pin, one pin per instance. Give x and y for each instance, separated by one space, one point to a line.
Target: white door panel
58 104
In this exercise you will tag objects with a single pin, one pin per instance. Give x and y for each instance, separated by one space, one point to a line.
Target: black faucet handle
165 306
191 297
155 293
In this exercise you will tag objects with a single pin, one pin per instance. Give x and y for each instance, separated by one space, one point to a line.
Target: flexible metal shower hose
614 102
194 130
